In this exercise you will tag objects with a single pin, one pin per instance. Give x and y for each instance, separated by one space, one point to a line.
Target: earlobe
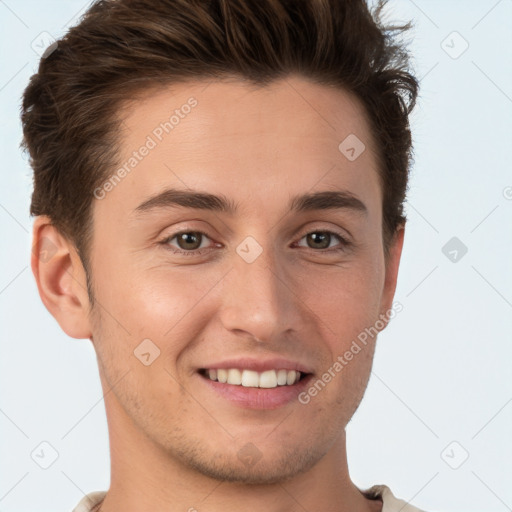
60 278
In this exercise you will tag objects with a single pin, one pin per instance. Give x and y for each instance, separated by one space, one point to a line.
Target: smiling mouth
252 379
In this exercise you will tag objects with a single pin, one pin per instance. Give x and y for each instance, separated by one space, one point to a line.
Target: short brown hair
121 47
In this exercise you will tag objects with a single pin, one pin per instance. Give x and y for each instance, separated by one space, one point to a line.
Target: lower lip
258 398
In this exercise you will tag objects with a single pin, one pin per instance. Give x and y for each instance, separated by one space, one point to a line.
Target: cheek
346 300
146 298
346 310
170 308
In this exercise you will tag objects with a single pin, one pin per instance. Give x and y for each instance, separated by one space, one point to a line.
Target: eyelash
344 243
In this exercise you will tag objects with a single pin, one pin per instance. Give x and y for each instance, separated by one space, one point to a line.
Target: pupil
320 237
189 238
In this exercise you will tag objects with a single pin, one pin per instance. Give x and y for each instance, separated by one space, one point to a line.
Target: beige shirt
92 501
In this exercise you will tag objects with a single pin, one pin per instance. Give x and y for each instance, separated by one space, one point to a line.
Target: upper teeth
252 379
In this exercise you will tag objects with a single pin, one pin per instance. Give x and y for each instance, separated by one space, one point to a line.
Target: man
218 195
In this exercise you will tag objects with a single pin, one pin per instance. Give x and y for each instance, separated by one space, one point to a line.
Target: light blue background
442 370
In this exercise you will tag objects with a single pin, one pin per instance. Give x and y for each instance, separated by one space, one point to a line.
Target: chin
249 465
263 472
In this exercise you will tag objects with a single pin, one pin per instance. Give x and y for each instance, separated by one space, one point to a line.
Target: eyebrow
325 200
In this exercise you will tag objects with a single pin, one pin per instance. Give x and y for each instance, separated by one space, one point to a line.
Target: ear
392 264
60 278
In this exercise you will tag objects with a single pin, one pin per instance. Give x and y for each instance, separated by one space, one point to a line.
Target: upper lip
259 365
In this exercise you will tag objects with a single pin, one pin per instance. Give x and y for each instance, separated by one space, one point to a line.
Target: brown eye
318 239
322 241
190 240
187 242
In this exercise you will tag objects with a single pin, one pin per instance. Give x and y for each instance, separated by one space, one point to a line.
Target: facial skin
175 442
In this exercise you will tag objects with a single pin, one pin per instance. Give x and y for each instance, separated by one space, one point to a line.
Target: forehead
232 137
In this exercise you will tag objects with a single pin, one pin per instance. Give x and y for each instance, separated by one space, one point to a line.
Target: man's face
262 282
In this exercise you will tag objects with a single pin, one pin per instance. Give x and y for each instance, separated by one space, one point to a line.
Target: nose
258 299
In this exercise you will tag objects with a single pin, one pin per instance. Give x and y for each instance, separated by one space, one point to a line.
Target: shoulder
390 503
90 501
